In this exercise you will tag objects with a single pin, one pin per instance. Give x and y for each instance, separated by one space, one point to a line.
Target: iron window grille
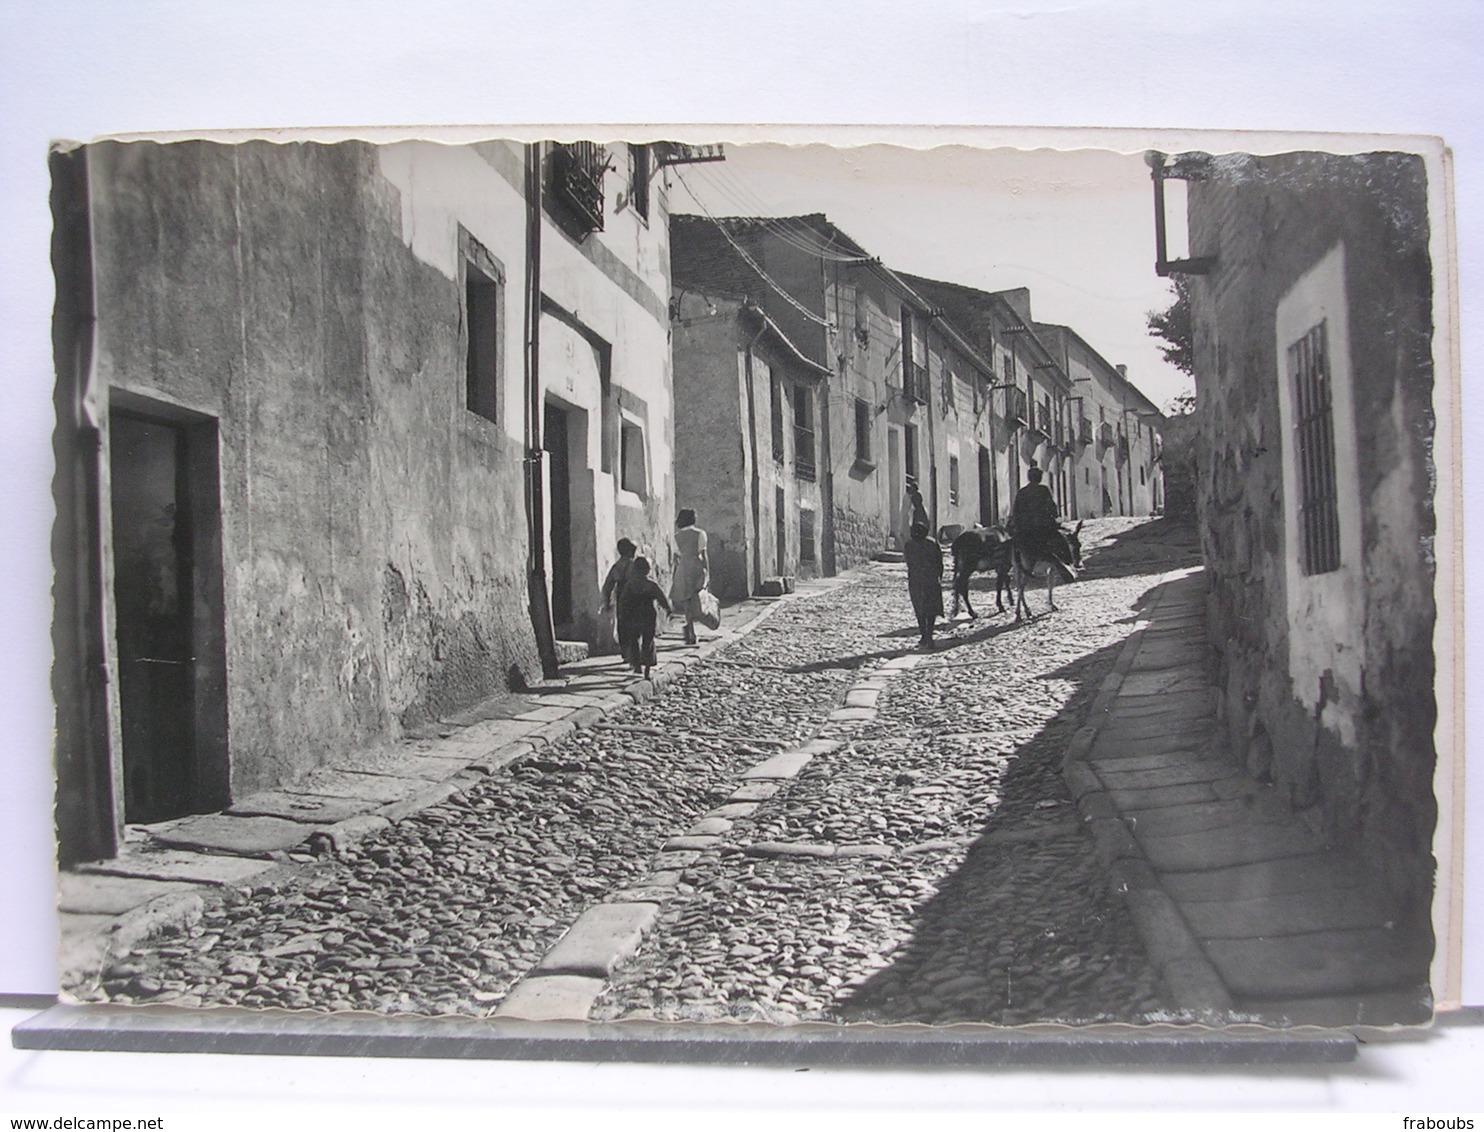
803 434
1319 513
1043 420
577 170
953 480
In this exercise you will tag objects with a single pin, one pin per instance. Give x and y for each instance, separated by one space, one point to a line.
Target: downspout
89 800
756 478
540 597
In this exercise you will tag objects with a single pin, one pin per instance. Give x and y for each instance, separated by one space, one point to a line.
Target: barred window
953 480
1314 434
862 431
804 433
806 535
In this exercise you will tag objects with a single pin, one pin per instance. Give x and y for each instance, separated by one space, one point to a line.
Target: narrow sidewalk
1242 907
165 874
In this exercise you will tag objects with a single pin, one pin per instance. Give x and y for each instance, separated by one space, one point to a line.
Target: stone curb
574 972
1188 976
180 910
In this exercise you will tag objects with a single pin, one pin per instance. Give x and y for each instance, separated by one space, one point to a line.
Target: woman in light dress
692 571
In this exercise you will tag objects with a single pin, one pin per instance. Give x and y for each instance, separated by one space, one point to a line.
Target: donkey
980 548
1031 557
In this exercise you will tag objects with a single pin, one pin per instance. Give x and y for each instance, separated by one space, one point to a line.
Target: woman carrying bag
692 573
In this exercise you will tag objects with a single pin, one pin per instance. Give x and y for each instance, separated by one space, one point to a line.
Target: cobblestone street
925 864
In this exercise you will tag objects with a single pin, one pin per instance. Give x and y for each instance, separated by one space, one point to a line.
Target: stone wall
1342 722
858 537
373 538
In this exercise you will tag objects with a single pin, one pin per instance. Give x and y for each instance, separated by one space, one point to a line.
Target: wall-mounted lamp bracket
1184 167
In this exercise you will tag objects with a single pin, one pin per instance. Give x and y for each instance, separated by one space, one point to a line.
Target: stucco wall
1349 743
372 530
712 468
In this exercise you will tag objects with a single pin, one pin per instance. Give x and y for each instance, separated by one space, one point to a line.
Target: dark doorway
989 506
780 531
555 440
168 616
909 435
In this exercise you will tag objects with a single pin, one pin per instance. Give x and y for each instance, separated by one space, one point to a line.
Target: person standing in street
613 588
692 571
924 558
914 501
637 617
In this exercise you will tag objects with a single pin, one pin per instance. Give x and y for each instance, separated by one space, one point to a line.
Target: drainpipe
540 597
756 484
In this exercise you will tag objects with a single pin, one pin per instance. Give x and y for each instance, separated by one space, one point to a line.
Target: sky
1075 226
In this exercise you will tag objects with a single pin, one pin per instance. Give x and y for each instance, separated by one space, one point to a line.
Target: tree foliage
1172 325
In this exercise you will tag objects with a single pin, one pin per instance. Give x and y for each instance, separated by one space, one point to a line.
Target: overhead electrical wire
766 278
789 230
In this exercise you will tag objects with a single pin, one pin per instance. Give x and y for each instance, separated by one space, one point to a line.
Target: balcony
914 381
1016 414
577 182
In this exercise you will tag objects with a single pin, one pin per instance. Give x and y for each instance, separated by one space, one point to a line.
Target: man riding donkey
1037 538
1034 514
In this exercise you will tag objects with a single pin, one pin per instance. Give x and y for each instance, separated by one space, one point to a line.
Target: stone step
570 652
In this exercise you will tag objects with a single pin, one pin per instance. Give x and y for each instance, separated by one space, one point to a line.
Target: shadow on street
1025 929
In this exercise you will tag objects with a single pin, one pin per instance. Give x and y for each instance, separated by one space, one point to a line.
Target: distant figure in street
692 571
924 558
1034 520
914 498
613 587
637 616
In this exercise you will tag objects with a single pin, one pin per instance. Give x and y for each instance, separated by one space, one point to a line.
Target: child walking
613 589
637 616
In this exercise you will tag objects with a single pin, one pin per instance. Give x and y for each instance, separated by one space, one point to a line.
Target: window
639 171
576 182
1008 365
806 535
803 432
775 407
1087 475
1314 431
914 357
1141 475
862 431
953 480
483 286
632 463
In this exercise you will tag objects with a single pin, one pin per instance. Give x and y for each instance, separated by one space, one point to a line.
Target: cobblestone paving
983 901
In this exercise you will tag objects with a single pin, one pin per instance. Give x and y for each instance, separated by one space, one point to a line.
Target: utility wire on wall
793 232
766 278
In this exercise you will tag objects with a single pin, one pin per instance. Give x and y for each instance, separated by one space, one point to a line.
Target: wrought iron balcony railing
577 171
